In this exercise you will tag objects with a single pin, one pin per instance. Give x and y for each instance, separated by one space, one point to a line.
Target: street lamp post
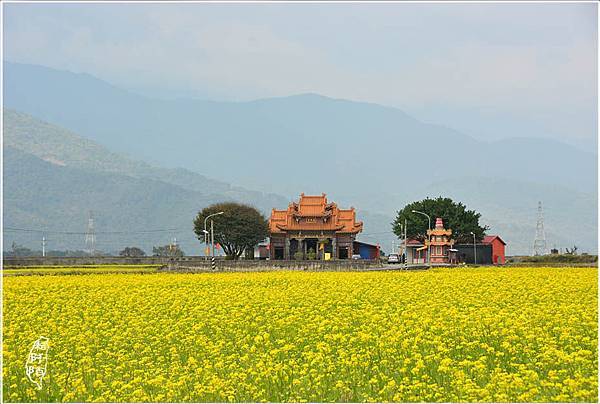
212 238
474 249
206 240
206 250
428 235
405 243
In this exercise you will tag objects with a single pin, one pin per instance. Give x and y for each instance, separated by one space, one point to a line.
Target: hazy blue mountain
53 177
43 195
287 145
372 157
62 147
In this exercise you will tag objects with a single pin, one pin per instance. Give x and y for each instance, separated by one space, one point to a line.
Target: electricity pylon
539 244
90 235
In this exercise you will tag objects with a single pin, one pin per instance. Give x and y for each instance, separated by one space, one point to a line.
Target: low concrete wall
191 263
275 265
552 264
78 261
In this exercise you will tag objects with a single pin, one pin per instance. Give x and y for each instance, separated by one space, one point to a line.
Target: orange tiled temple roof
314 213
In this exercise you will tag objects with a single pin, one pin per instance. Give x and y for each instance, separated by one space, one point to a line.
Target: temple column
304 249
320 252
286 249
334 248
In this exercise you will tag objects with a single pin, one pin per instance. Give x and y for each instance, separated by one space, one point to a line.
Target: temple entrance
278 253
311 248
325 249
295 248
343 252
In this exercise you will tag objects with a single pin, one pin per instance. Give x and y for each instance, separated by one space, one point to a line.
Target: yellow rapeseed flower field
471 334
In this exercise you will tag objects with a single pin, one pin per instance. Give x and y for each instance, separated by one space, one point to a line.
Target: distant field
74 270
469 334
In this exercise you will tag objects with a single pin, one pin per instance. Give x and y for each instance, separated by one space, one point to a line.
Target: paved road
398 267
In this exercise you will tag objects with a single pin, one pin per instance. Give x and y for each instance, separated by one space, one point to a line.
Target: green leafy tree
169 250
455 216
132 252
238 228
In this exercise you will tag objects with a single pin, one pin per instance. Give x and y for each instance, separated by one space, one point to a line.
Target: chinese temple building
439 243
313 227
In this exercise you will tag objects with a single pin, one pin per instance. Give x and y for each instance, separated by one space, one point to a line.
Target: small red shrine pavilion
313 226
439 242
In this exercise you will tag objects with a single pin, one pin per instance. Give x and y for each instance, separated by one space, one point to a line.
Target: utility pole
406 242
212 237
539 244
213 264
206 251
43 246
428 236
474 249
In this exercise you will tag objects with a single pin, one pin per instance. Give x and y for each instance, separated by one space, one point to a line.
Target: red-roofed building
498 249
490 251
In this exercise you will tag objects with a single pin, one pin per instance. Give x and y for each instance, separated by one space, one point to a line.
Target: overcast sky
490 70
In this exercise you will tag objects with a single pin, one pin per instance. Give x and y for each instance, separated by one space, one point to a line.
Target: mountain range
53 178
373 157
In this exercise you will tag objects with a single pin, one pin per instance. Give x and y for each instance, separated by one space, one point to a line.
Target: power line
97 232
381 232
117 238
151 231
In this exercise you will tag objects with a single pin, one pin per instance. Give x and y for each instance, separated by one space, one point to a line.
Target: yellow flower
470 334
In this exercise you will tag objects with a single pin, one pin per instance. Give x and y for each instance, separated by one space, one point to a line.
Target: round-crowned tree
132 252
240 227
455 216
